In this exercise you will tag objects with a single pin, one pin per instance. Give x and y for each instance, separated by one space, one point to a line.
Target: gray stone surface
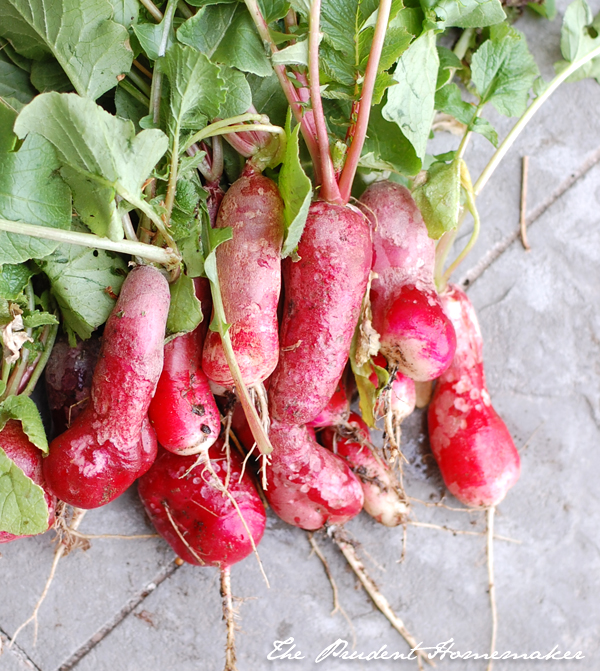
541 325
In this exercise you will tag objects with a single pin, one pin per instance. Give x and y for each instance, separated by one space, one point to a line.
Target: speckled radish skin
205 518
307 485
402 396
323 296
384 500
474 450
148 447
28 458
336 411
183 411
95 460
416 335
249 268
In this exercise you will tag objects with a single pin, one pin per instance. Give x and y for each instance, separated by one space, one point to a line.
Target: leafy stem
166 257
366 98
48 339
207 131
14 381
526 117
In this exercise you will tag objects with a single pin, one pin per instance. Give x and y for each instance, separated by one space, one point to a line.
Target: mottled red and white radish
99 456
470 442
385 500
307 485
416 335
337 409
323 295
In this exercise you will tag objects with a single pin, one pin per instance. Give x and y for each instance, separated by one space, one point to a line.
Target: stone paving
125 605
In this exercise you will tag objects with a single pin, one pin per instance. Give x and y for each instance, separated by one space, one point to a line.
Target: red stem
366 99
329 189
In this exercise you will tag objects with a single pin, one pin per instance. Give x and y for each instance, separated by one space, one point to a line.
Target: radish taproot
26 456
384 499
307 485
416 335
249 268
191 513
470 442
323 295
95 460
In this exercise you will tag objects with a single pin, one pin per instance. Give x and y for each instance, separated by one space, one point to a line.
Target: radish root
66 543
348 549
229 616
492 587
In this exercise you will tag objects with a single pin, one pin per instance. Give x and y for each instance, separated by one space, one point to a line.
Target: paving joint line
16 651
166 572
499 248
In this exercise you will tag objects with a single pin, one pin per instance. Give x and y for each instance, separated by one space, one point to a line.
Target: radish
323 294
307 485
249 268
191 513
336 411
28 458
99 456
148 446
471 444
384 499
183 411
416 336
400 398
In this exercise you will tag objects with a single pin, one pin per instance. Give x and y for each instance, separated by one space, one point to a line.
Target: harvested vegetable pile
225 246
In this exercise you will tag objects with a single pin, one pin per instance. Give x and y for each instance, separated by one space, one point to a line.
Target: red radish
68 376
95 460
183 411
307 485
474 450
249 267
192 514
416 335
148 447
384 499
28 458
402 394
323 296
336 411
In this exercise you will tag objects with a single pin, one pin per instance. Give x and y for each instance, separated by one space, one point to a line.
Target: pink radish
336 411
416 335
384 499
323 294
474 450
95 460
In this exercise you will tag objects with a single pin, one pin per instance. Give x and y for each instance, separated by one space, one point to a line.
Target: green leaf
125 12
101 149
273 10
32 192
439 198
185 311
485 128
238 96
386 148
80 34
469 13
130 108
547 8
268 97
47 75
295 54
8 116
15 83
36 318
410 104
449 63
296 191
13 279
193 255
25 410
195 86
226 34
579 35
449 101
23 507
150 36
503 71
83 283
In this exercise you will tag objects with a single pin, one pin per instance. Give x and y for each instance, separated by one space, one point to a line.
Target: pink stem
366 99
329 190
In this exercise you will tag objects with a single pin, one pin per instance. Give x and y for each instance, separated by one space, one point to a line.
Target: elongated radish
249 268
384 498
474 450
416 335
99 456
323 295
148 447
183 411
191 513
26 456
309 486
